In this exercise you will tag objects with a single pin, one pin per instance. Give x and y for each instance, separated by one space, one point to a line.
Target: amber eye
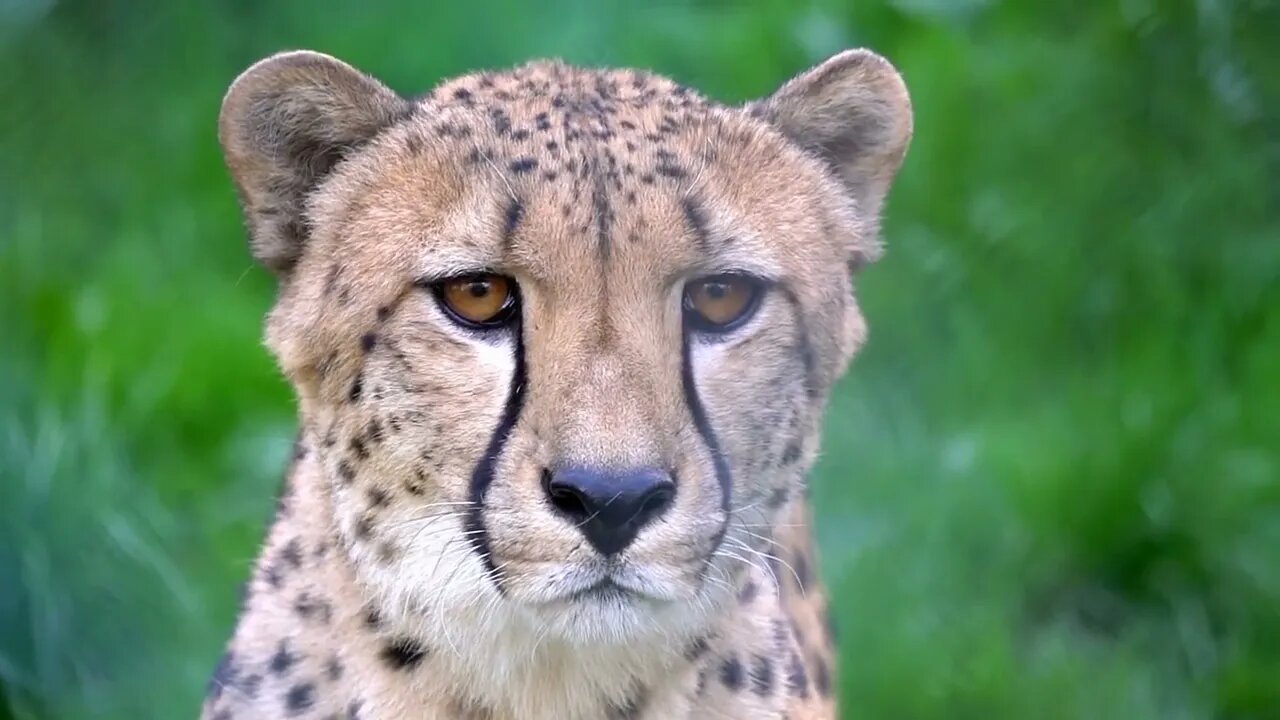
719 303
482 301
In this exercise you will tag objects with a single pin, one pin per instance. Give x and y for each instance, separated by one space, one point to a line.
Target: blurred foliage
1051 487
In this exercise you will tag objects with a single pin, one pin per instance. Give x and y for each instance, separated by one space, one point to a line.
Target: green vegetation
1051 487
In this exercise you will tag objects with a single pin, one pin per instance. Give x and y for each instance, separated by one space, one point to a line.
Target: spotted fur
415 567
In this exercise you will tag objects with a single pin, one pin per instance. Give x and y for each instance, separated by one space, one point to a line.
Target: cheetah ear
285 122
853 111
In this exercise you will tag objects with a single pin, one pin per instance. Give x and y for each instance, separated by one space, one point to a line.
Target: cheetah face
563 337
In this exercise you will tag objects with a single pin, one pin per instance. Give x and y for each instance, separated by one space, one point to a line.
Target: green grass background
1051 484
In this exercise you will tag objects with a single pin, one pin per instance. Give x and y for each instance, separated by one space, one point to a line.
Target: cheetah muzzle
562 340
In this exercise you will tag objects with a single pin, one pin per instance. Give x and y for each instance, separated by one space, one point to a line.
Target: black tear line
482 476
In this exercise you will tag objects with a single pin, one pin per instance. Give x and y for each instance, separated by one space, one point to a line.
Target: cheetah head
562 338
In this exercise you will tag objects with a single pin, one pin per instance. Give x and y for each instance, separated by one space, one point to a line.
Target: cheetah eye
720 303
481 301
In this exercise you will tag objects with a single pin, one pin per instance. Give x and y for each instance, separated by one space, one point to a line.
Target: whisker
768 557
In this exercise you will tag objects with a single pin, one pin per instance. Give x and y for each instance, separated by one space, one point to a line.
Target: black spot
671 171
250 685
353 710
372 618
775 567
542 121
748 591
281 660
523 165
501 122
603 217
283 496
333 668
449 130
630 709
511 220
224 675
300 698
384 312
801 565
696 649
331 279
462 94
797 678
357 446
373 431
387 552
357 388
791 453
731 673
777 498
697 220
781 633
822 677
308 608
403 654
520 135
271 575
364 527
762 676
803 348
367 341
377 497
291 553
417 484
345 472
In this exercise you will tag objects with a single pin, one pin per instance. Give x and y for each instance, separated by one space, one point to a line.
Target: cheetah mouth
604 589
607 589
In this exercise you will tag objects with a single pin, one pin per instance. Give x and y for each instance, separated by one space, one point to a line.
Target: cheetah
561 341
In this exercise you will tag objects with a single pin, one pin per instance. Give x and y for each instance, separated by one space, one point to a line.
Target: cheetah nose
609 507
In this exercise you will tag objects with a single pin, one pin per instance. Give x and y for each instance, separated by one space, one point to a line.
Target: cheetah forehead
307 137
552 166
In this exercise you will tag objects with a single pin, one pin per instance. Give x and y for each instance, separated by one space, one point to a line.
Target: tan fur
393 583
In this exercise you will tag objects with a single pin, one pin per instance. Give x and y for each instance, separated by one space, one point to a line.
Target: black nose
609 506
